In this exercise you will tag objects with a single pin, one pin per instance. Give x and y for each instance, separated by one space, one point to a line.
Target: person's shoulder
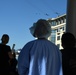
7 46
30 42
2 45
52 44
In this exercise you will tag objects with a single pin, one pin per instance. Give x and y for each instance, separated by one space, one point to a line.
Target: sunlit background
16 16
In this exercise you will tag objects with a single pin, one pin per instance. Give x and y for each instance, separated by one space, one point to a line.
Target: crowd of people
40 56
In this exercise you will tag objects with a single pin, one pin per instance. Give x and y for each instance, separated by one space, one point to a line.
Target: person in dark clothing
5 55
68 54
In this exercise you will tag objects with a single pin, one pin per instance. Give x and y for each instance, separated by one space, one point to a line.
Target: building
58 27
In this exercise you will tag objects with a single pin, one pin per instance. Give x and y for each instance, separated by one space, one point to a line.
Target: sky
17 16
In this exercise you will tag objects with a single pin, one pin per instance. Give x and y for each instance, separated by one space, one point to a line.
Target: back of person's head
5 38
41 29
68 40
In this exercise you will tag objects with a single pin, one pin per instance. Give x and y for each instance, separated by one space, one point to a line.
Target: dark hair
4 36
42 28
68 40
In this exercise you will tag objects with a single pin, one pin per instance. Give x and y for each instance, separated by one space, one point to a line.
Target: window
58 45
58 37
53 23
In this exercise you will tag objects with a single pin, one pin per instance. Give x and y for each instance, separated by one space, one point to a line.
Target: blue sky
17 16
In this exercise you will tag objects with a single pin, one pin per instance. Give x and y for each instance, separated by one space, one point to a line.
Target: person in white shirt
40 56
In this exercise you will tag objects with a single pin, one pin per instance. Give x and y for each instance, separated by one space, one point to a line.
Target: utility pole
71 17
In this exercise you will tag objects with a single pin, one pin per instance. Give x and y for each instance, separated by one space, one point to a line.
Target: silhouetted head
68 40
41 29
5 39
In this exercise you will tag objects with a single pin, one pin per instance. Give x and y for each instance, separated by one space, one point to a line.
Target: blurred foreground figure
68 54
13 62
5 55
40 56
